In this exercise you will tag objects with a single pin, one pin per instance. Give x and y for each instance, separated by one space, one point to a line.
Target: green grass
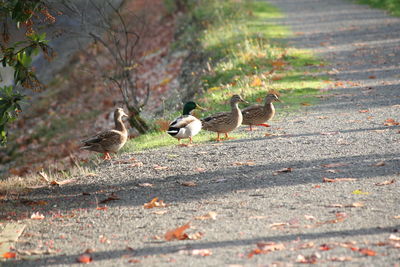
393 6
246 57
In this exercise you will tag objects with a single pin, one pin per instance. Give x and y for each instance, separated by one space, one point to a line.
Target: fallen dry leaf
333 180
305 104
394 237
256 82
379 164
341 258
134 261
334 165
278 225
188 183
145 185
367 252
195 236
160 212
359 192
201 252
306 245
311 259
209 216
37 252
37 216
391 122
324 247
157 167
137 164
264 248
112 197
68 181
246 163
309 217
284 170
386 182
9 255
154 203
177 233
84 258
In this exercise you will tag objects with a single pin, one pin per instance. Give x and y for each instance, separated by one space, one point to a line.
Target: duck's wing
216 117
251 109
182 121
106 137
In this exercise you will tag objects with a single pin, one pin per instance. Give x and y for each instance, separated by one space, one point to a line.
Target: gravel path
238 179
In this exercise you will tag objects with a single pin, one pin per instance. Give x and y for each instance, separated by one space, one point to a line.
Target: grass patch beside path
245 57
393 6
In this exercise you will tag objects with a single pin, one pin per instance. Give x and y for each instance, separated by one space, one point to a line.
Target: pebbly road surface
294 216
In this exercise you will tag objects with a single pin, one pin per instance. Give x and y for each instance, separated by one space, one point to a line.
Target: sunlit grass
393 6
160 139
245 57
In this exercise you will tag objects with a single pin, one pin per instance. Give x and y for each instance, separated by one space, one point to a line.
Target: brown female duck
258 114
109 141
225 122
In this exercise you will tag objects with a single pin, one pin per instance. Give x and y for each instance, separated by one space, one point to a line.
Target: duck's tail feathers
173 131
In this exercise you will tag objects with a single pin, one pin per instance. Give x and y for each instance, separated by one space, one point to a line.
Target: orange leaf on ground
386 182
278 63
391 122
9 255
177 233
324 247
84 258
367 252
154 203
256 82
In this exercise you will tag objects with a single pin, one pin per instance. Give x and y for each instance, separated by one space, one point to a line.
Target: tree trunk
136 121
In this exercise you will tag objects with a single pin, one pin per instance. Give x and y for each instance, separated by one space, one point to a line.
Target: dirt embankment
79 102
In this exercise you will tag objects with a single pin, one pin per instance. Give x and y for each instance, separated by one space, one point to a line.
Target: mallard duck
185 126
259 114
225 122
110 140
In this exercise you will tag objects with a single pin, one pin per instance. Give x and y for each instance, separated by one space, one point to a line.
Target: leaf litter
154 203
